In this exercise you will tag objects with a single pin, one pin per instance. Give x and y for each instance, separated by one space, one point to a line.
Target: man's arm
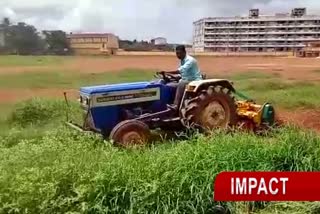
182 68
186 66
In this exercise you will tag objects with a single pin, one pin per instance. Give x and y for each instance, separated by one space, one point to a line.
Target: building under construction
255 32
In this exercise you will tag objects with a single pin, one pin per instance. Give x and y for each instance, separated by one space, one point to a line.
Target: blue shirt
189 69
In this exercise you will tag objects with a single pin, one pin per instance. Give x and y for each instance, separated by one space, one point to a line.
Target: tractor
126 113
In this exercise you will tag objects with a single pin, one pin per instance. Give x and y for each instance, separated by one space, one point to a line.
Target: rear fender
196 86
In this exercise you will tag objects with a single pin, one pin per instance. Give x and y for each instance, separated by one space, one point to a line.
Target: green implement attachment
241 95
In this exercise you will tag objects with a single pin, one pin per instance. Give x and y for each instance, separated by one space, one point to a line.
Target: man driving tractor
189 72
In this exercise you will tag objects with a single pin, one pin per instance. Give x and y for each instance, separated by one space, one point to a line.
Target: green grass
47 168
284 94
253 75
13 60
5 109
70 79
36 116
63 171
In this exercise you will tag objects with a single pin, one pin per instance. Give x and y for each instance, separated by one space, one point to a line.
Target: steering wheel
167 77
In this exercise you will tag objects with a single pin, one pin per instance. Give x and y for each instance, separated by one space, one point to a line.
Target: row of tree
22 38
135 45
25 39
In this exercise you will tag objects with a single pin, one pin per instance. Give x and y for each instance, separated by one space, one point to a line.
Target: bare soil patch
13 96
289 68
307 119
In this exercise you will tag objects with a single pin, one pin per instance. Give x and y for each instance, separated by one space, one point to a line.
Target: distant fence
217 54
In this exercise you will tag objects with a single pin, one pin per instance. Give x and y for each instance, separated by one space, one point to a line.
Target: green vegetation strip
285 94
70 79
12 60
261 87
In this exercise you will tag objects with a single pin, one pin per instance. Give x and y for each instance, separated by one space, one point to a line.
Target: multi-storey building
93 43
255 32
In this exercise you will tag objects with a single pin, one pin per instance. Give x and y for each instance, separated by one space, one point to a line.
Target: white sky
137 19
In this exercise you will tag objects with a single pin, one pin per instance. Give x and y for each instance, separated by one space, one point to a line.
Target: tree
5 26
6 22
24 39
57 41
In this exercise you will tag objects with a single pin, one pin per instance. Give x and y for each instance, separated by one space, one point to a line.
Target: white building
159 41
279 32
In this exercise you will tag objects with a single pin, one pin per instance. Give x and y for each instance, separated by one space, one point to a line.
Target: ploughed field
47 168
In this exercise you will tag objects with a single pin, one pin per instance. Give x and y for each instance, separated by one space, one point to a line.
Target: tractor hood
117 87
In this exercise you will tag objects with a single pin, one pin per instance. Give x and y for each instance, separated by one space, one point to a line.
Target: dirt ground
12 96
306 69
290 68
308 119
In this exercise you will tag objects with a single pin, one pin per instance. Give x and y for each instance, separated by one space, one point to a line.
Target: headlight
86 101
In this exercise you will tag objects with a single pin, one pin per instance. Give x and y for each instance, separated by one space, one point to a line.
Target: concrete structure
312 49
255 32
159 41
93 43
2 38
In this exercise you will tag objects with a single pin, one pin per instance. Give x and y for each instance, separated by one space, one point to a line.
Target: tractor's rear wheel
130 133
214 108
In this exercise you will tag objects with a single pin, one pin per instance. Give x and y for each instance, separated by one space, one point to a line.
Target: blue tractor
126 113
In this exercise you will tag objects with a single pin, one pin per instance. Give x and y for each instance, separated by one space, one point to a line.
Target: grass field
30 60
47 168
71 79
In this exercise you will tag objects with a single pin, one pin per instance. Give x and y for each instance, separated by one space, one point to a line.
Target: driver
189 72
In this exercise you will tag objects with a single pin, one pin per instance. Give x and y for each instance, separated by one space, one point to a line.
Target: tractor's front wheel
213 108
130 133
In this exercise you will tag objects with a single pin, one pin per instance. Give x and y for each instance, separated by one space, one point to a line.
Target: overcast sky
137 19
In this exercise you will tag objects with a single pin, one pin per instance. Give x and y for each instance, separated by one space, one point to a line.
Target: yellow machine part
250 111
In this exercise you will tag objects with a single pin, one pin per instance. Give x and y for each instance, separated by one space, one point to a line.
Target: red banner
267 186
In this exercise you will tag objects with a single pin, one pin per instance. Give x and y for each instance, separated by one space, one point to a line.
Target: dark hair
181 48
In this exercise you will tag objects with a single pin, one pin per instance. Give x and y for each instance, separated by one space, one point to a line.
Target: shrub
39 112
